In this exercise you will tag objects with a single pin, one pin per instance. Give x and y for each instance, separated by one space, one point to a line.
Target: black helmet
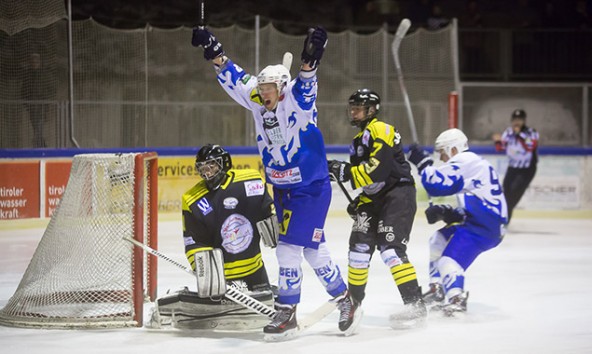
519 113
365 98
212 162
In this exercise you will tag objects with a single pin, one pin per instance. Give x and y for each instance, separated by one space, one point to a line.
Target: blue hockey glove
314 46
446 213
339 170
205 39
419 157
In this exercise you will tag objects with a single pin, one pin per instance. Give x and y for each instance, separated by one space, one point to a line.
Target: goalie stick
245 300
231 293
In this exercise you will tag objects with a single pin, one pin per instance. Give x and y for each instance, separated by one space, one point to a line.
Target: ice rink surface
532 294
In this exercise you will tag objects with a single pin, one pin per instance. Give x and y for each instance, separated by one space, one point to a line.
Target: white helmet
451 138
274 74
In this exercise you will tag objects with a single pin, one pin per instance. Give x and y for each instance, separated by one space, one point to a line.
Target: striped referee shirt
521 148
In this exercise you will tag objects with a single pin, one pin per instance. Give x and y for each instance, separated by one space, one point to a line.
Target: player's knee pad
326 271
359 260
452 274
391 258
290 274
437 244
209 271
289 256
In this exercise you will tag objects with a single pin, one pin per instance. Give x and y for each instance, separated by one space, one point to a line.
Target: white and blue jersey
289 141
478 190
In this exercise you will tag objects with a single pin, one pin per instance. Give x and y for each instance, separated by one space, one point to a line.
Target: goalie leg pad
269 230
186 310
209 268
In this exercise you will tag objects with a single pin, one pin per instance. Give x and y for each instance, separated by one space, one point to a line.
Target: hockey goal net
83 274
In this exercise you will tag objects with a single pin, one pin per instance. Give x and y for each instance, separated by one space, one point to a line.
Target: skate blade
280 337
355 323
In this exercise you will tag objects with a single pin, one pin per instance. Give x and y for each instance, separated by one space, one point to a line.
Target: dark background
294 16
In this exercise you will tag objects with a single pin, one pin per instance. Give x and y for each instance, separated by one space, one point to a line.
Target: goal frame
39 304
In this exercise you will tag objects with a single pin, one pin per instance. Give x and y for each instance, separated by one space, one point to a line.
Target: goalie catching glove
446 213
314 46
209 270
269 230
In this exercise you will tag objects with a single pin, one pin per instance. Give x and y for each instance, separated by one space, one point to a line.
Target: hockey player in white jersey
475 226
294 158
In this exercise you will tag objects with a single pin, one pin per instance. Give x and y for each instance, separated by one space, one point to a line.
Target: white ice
532 294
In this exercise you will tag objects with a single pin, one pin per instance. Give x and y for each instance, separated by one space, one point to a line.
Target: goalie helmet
274 74
212 162
451 138
364 98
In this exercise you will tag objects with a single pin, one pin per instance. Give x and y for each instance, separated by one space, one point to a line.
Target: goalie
225 216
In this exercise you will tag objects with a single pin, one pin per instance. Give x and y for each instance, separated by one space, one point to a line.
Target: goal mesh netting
83 273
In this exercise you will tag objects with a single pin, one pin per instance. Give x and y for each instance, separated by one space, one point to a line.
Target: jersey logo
204 206
230 203
317 235
285 221
254 188
236 233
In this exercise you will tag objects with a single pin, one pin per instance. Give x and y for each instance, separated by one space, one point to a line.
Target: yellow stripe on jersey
245 175
194 194
356 276
255 97
382 131
403 273
190 255
242 268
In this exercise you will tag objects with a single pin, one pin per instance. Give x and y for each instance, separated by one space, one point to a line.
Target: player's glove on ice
339 170
314 46
205 39
419 157
447 213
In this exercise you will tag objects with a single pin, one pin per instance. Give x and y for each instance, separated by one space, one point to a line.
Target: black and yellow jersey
377 159
226 219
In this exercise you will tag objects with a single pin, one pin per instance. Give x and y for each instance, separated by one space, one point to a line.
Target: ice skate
283 325
434 297
350 313
413 316
456 305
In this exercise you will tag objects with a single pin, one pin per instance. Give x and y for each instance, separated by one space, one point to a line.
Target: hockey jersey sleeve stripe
245 175
382 131
242 268
194 194
360 176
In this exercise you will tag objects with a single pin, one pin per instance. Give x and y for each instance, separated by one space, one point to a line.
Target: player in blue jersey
294 158
520 143
475 226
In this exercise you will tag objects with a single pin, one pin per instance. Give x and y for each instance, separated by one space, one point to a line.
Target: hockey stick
399 35
201 23
349 198
232 294
287 60
401 31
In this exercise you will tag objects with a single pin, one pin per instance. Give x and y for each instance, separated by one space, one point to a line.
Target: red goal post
83 274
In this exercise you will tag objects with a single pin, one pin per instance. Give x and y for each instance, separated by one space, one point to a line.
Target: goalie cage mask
212 163
364 98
